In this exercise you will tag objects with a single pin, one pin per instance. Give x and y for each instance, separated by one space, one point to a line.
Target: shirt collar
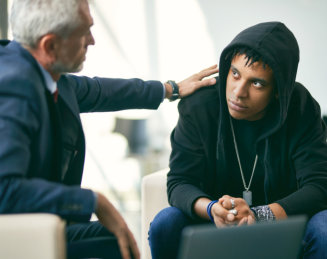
50 83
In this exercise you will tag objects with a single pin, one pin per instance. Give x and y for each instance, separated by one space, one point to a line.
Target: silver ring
233 203
233 211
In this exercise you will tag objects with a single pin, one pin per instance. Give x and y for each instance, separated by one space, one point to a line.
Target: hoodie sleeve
309 155
187 164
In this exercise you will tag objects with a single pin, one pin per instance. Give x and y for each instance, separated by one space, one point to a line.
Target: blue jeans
91 240
165 232
166 228
315 238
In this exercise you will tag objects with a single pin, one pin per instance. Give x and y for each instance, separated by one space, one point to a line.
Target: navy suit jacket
42 144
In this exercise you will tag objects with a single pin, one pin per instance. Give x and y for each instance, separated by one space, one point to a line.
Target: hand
244 214
194 82
219 214
110 218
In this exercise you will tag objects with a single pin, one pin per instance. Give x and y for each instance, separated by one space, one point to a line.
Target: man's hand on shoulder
193 83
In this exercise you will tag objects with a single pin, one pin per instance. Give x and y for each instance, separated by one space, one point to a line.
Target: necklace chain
239 161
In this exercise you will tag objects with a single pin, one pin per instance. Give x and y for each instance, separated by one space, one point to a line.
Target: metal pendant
247 196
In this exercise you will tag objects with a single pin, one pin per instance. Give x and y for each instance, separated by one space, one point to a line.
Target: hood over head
277 46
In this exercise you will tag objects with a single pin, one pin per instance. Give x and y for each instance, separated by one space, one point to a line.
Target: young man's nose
240 89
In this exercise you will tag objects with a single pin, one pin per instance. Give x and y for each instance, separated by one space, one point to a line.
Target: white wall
171 39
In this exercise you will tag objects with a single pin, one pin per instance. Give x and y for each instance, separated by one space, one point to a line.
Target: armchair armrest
154 199
32 236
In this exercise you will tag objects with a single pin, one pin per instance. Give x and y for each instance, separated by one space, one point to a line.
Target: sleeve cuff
95 195
163 92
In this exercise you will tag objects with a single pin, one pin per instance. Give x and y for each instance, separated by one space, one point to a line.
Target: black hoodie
292 147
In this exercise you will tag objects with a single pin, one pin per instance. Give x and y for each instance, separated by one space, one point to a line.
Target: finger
205 82
219 212
208 71
230 223
220 222
243 221
124 247
225 197
211 67
251 220
230 217
205 73
135 250
223 202
227 203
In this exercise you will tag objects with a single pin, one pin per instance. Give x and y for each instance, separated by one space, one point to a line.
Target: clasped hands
230 211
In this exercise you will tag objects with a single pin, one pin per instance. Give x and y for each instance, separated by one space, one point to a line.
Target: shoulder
20 77
302 103
77 86
205 99
304 114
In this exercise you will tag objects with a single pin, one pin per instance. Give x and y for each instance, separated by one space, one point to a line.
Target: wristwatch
175 94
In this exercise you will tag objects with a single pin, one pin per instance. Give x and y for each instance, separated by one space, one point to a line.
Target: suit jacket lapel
66 98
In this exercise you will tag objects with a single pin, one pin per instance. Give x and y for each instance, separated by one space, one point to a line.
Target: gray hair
32 19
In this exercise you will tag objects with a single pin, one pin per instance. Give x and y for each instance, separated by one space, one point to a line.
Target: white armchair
154 199
32 236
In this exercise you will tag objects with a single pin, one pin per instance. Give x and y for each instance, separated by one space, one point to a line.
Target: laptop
279 239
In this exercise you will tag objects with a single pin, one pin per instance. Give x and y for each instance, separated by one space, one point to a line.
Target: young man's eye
257 84
235 73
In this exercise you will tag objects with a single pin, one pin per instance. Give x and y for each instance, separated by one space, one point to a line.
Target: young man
42 143
251 148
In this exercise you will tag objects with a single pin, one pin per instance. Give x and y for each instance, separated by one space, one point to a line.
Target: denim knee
165 231
315 239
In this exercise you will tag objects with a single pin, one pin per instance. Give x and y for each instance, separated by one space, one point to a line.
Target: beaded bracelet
209 209
263 213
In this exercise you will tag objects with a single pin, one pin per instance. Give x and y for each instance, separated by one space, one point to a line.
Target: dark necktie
55 95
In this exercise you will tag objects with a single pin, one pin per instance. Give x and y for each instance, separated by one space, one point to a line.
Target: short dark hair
252 55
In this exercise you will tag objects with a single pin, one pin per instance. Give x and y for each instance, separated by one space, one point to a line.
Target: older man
42 143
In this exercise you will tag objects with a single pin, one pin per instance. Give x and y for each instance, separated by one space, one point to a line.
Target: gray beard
59 68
